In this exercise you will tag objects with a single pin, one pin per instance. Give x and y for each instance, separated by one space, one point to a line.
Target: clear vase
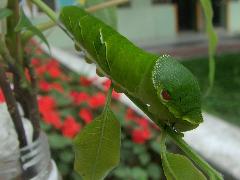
32 162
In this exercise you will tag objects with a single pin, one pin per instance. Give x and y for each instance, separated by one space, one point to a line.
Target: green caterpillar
167 87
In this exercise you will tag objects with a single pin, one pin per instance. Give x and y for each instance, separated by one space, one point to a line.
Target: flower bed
68 102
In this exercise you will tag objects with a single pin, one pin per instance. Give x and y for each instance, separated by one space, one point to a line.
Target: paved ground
215 139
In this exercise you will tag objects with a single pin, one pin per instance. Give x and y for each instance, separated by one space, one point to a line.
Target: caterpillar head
179 92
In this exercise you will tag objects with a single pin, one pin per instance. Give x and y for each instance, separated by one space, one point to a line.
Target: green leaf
144 158
25 24
58 142
5 12
208 11
97 147
154 171
107 15
179 167
66 156
138 173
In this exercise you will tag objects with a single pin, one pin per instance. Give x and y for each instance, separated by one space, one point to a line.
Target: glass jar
35 163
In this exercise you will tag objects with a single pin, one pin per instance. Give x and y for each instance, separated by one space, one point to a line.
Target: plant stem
109 97
12 106
41 5
13 38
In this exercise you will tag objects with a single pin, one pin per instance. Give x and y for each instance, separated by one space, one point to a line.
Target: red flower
130 114
27 75
53 68
116 95
58 87
86 81
47 109
143 122
86 115
52 117
54 72
70 127
2 99
106 84
44 85
97 100
79 97
40 70
140 136
35 62
46 103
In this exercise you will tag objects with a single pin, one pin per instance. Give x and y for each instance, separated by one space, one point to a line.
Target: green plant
104 132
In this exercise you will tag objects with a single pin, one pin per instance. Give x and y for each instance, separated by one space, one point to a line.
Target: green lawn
224 100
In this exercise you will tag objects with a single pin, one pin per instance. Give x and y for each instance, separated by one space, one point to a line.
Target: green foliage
25 24
57 141
97 147
178 167
5 12
208 11
107 15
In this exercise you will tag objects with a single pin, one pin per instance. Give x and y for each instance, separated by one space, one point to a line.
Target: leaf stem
109 97
41 5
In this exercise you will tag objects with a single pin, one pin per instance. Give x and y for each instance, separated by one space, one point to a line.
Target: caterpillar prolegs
170 89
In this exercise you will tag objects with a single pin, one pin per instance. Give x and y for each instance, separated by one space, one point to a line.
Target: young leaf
5 12
97 147
179 167
208 11
107 15
25 24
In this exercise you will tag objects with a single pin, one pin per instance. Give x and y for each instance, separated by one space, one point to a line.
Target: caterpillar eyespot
165 95
137 72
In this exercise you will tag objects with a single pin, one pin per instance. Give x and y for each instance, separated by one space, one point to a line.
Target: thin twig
12 106
104 5
34 114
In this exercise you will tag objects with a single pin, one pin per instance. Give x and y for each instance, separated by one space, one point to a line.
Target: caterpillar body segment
170 90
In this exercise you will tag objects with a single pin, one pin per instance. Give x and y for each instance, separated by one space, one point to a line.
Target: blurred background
175 27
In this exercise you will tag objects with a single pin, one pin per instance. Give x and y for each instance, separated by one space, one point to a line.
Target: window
161 1
50 3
